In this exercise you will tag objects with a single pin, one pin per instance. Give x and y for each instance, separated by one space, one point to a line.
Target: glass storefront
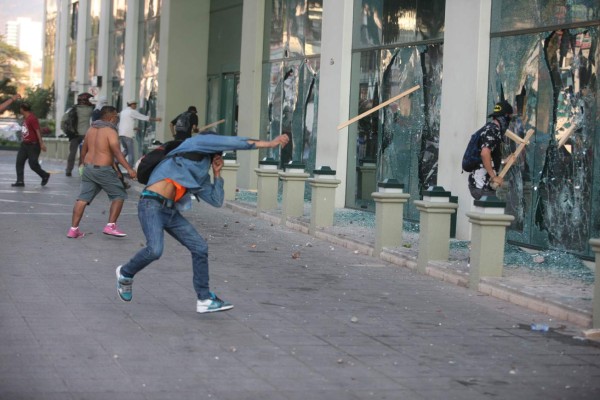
92 38
291 79
550 77
116 43
50 43
148 51
397 45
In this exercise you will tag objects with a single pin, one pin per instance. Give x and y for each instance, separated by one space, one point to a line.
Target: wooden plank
372 110
511 135
513 157
205 127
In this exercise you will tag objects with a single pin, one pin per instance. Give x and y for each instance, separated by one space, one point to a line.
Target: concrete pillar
434 235
102 66
389 214
334 89
464 94
130 58
367 179
268 185
595 244
229 175
323 187
487 238
293 179
183 61
81 64
61 63
250 85
62 149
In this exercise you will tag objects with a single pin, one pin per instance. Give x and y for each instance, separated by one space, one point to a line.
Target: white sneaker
213 304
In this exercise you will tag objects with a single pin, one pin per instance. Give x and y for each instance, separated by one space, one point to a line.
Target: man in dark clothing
184 124
84 110
31 146
490 140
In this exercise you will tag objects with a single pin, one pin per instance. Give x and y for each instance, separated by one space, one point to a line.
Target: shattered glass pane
295 17
401 140
312 40
518 14
551 79
274 26
293 28
149 43
384 22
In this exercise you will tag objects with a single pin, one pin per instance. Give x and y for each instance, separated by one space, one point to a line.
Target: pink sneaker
112 230
75 233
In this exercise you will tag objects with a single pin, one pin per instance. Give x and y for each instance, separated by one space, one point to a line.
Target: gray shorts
96 178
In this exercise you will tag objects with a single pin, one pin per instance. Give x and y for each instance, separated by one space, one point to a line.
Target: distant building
26 35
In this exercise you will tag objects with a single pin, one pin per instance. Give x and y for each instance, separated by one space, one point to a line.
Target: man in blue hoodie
171 184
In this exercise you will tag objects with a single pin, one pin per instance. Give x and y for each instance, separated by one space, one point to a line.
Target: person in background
185 124
31 146
490 141
127 127
84 110
100 148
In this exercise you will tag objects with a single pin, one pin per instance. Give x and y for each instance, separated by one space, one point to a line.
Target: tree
13 62
40 100
8 90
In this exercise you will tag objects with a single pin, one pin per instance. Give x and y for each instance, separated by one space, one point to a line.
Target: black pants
73 147
31 152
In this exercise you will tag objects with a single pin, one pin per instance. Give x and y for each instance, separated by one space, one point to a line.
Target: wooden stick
210 125
566 135
511 135
513 156
372 110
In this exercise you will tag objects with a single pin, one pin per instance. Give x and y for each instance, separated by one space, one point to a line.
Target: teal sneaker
124 286
212 304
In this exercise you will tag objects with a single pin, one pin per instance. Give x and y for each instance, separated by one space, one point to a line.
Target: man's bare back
102 146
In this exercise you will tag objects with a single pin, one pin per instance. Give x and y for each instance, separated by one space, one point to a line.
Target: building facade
302 67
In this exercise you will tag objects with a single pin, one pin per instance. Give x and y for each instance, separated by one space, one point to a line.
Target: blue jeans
128 144
155 220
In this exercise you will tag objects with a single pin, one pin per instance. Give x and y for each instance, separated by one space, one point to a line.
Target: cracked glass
553 188
401 140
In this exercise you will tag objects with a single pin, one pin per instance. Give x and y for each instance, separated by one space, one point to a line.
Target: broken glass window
511 15
551 80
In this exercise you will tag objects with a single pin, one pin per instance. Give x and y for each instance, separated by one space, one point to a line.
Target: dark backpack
68 123
472 158
148 162
96 114
184 123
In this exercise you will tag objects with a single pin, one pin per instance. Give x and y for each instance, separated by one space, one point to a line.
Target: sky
12 9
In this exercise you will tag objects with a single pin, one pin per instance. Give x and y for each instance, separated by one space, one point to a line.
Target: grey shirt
84 114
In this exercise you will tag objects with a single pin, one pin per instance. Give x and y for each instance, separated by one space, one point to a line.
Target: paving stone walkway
312 320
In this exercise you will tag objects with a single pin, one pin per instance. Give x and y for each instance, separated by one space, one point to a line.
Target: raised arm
279 140
8 102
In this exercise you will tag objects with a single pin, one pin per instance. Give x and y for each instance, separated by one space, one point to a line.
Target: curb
436 269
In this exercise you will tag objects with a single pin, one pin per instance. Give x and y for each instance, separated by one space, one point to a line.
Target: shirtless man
100 148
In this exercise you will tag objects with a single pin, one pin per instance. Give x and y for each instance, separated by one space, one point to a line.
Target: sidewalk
312 319
551 282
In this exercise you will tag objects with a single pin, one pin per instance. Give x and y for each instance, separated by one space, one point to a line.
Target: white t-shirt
127 119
